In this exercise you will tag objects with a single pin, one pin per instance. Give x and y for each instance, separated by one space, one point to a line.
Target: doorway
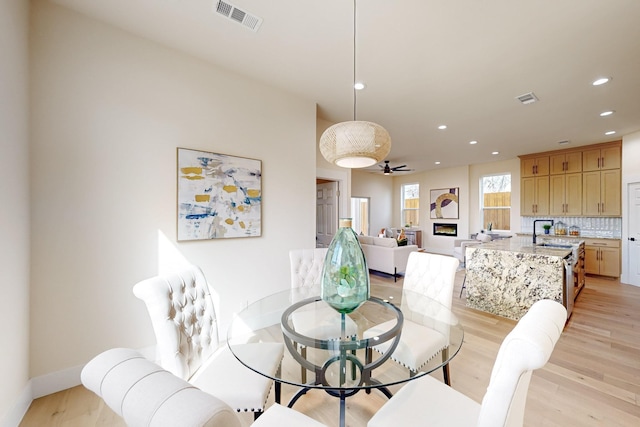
342 179
360 215
327 193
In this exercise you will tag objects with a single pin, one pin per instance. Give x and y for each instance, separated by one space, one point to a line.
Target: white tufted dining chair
186 329
306 271
306 279
433 276
145 395
526 348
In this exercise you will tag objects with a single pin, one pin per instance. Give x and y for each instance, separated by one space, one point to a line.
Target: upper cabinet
565 195
534 196
566 163
601 193
572 182
602 158
534 166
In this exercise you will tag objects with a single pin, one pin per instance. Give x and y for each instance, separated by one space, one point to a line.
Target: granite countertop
523 244
582 236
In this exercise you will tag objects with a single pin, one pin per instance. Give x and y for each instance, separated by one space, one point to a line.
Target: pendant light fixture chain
355 97
355 144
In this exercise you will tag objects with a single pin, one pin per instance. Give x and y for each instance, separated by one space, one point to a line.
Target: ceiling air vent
527 98
237 15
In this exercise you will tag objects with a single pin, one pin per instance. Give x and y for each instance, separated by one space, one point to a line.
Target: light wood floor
592 379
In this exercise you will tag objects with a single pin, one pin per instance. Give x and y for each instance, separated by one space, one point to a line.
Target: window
410 204
360 215
495 197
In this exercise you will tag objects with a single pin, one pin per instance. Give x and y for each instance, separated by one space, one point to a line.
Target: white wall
14 209
494 168
435 179
630 174
379 188
385 193
109 110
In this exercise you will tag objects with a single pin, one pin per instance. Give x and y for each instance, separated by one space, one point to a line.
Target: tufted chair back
426 401
431 275
306 271
527 347
183 318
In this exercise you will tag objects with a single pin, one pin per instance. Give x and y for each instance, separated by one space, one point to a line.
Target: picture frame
219 196
444 203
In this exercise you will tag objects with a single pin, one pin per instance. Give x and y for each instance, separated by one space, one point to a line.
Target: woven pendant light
355 144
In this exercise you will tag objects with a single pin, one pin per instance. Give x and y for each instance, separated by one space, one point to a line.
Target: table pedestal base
345 349
342 394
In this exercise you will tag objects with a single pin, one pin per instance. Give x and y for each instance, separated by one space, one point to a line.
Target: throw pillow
402 239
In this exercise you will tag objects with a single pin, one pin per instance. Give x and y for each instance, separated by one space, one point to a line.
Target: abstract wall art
219 196
444 203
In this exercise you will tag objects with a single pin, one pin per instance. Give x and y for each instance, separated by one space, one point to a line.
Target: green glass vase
345 276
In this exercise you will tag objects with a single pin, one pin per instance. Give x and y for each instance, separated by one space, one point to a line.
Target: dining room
579 386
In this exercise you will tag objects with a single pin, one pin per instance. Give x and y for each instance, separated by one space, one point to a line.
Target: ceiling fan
388 170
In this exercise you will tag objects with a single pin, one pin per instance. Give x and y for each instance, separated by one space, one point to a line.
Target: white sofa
383 254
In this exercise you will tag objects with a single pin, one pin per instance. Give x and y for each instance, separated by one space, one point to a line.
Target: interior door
634 234
326 213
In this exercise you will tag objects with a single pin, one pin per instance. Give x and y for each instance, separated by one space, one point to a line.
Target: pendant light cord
354 62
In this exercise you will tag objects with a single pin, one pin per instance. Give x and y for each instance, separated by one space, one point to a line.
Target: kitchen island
505 277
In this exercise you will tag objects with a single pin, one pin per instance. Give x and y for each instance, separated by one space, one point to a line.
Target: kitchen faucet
534 227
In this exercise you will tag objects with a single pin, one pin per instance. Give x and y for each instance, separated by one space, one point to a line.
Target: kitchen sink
555 245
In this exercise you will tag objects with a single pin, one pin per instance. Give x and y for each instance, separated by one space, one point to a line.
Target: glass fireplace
442 229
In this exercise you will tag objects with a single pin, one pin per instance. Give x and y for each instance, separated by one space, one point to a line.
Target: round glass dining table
328 350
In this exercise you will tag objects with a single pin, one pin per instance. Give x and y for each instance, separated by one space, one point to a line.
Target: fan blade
395 168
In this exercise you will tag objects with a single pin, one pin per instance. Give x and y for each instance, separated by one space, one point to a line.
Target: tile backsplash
589 227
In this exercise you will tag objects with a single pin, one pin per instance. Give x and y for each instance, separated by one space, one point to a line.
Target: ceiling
425 63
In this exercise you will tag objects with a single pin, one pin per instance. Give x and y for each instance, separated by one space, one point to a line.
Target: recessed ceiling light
359 85
601 81
610 132
606 113
473 142
442 127
437 163
495 153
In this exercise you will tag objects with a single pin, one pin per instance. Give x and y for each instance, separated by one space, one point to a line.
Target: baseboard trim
38 387
53 382
21 406
70 377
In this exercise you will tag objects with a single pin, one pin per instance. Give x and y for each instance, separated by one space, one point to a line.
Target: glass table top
332 347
